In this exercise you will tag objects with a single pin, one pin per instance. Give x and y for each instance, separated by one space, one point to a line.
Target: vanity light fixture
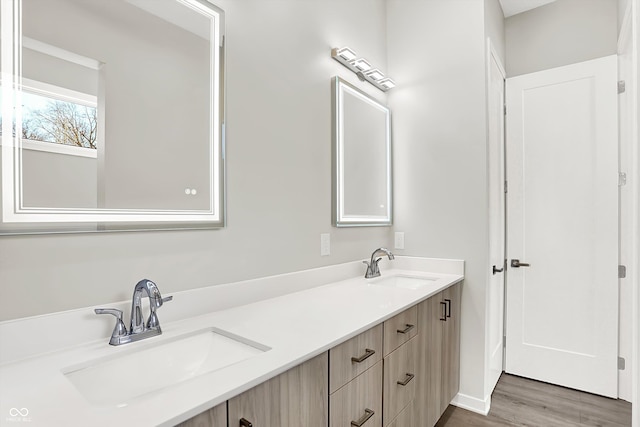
363 69
374 74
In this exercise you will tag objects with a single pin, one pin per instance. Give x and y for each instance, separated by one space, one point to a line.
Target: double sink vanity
349 352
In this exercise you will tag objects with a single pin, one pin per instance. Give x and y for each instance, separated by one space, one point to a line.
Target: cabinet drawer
358 400
400 378
353 357
400 329
406 418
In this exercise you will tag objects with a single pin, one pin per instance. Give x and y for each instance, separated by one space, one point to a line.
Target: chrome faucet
372 266
138 329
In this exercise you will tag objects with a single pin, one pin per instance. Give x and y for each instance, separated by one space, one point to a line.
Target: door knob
515 263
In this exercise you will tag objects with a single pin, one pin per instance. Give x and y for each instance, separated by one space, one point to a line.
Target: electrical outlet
325 244
399 240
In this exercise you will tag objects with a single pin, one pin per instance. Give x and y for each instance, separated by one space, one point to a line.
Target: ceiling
513 7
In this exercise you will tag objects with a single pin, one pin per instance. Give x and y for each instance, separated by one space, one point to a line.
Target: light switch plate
325 244
399 240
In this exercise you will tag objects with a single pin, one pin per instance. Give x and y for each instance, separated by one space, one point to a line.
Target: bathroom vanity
373 379
322 347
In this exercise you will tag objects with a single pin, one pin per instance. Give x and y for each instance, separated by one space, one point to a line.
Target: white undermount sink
403 282
118 379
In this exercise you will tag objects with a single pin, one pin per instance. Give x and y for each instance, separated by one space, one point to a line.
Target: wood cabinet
298 397
439 347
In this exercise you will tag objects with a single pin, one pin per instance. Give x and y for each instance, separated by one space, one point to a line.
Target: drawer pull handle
444 312
367 354
448 301
407 329
368 413
407 380
245 423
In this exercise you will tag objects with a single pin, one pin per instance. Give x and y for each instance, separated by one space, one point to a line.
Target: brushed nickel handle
515 263
444 312
448 302
245 423
368 413
407 329
367 354
406 380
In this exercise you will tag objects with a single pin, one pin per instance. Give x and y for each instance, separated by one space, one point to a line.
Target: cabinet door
400 379
298 397
359 401
429 389
451 346
214 417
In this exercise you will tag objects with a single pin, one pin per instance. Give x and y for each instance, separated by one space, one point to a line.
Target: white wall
560 33
494 27
279 173
437 52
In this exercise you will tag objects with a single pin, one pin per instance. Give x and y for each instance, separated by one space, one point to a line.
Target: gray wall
437 51
58 180
560 33
279 173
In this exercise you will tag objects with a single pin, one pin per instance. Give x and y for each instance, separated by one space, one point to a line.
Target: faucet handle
119 330
167 299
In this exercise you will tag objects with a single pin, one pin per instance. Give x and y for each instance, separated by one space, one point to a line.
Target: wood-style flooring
519 401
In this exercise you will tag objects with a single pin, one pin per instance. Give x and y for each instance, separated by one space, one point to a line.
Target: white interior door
495 293
562 216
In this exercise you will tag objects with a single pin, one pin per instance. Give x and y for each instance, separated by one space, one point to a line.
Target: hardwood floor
519 401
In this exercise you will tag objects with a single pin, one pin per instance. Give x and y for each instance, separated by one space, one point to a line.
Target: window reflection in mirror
361 158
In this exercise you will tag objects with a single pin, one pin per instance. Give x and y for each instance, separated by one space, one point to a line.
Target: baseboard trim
472 404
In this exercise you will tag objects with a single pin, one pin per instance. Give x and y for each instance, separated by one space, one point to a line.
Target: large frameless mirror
362 193
112 115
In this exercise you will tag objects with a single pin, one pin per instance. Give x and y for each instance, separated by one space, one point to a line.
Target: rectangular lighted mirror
112 115
362 193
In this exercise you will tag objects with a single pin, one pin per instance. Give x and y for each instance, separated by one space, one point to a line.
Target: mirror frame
18 219
338 217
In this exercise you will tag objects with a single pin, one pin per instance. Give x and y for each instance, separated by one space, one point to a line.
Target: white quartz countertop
296 326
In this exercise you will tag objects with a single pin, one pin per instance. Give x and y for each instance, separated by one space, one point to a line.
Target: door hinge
505 109
621 363
622 86
504 341
506 187
622 271
622 179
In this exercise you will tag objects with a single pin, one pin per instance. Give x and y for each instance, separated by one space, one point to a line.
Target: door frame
630 33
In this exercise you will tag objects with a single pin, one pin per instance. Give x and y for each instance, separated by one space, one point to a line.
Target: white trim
472 404
57 52
53 147
58 92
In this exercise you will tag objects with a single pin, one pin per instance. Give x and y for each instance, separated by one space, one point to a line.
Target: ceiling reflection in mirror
120 112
